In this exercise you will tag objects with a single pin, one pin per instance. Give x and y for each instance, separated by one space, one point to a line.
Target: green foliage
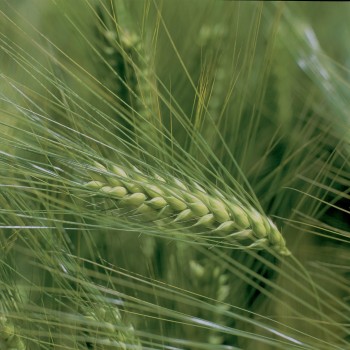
247 101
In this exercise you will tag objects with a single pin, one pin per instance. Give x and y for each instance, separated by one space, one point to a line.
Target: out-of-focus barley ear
104 329
213 43
140 77
130 56
211 282
10 338
283 69
213 38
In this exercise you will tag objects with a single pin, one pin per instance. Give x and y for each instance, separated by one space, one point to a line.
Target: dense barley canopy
174 175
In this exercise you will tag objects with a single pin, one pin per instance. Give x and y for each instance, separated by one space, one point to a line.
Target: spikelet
185 203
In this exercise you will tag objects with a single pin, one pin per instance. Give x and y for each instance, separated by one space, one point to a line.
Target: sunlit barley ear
184 204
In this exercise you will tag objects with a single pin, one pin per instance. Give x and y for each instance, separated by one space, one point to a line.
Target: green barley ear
184 205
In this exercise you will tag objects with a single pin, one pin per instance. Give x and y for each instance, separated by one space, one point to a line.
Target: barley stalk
157 198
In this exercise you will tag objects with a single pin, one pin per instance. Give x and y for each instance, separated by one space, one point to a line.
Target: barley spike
153 196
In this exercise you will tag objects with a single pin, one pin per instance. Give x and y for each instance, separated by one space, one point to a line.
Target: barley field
174 175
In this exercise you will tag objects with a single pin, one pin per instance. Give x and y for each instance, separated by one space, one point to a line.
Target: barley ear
9 337
182 204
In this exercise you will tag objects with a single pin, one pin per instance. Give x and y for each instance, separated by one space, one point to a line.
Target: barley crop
174 175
